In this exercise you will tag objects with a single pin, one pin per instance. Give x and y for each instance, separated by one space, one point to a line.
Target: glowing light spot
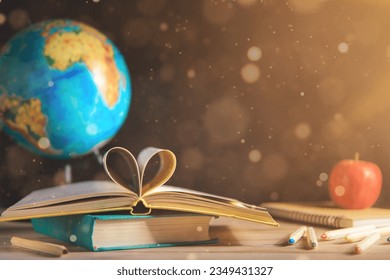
323 176
199 228
302 130
254 54
339 190
50 83
343 47
164 26
43 143
250 73
338 117
92 129
254 156
3 18
191 73
73 238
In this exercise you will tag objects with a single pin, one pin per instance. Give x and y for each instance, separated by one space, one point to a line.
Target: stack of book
90 213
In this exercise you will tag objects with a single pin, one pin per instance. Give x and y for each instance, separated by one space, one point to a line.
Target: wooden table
237 240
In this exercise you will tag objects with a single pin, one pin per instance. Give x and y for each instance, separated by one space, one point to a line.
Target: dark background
256 128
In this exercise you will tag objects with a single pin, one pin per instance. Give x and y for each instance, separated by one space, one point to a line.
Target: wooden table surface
237 240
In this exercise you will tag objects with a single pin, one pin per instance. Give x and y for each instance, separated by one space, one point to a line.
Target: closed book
327 214
119 232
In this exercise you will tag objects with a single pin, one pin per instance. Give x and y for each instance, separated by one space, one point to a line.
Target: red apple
355 184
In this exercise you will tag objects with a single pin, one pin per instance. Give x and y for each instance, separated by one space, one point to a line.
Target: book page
180 199
166 169
136 167
86 206
212 197
130 164
69 193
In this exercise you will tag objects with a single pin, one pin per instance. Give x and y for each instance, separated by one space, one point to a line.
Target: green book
120 232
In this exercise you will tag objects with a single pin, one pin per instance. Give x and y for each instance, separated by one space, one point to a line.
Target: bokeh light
3 18
250 73
343 47
254 54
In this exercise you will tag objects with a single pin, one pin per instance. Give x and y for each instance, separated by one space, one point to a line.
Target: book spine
306 217
76 229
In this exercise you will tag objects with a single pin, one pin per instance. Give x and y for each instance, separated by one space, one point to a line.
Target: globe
65 89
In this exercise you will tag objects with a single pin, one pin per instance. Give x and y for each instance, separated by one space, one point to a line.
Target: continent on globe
65 88
62 50
24 115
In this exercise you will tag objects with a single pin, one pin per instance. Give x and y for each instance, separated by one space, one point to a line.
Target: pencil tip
324 236
291 241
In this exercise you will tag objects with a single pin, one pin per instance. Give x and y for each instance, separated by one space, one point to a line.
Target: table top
237 240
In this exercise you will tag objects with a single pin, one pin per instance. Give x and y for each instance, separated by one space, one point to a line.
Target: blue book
119 232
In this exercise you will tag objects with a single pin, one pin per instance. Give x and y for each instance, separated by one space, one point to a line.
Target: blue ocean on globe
65 89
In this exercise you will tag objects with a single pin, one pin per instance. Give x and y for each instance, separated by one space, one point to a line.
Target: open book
136 196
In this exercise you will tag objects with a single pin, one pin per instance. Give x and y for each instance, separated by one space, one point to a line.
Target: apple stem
357 156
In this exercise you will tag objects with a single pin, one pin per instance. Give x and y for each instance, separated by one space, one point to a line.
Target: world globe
65 89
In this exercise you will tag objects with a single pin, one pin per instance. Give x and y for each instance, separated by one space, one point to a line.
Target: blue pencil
296 235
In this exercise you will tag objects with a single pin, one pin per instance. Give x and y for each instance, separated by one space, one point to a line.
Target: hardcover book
137 197
119 232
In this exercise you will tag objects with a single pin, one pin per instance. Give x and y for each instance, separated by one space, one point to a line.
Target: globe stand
68 174
98 156
68 168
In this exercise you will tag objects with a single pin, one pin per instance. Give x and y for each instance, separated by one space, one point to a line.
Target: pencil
357 236
368 241
296 235
39 246
340 233
311 238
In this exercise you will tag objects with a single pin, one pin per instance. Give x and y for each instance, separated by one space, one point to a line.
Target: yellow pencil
367 242
311 238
